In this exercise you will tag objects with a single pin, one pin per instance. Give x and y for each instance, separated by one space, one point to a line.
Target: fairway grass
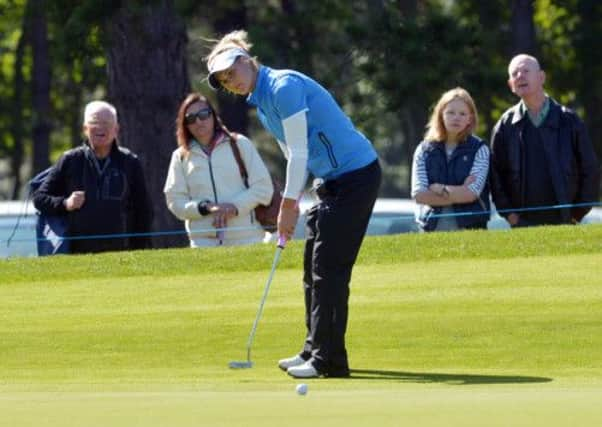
437 336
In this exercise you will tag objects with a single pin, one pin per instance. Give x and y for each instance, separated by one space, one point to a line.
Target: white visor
222 61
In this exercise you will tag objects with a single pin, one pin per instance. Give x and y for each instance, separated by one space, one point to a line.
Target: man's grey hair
96 106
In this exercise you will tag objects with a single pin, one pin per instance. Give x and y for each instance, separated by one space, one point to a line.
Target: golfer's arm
295 134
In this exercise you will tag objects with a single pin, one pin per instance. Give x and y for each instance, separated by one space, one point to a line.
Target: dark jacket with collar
116 199
571 158
454 172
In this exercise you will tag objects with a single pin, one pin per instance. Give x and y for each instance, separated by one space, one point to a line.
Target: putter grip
281 242
282 239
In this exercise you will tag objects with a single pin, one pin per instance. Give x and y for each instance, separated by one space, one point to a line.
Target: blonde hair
238 38
436 128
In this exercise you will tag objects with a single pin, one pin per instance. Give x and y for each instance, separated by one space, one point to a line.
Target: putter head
240 365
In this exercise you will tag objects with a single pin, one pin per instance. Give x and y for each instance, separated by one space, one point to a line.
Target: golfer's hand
287 218
75 200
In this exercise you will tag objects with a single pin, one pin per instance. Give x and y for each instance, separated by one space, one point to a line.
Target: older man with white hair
541 155
100 188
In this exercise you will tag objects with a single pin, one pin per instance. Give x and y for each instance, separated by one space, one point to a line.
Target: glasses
202 114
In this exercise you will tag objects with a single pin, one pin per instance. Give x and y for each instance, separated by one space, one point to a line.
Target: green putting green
471 329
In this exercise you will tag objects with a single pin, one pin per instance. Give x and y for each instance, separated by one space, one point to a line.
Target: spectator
316 136
100 187
541 155
204 186
449 172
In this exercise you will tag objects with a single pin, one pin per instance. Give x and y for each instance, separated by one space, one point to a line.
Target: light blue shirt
334 145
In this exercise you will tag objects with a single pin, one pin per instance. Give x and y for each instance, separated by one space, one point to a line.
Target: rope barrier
225 229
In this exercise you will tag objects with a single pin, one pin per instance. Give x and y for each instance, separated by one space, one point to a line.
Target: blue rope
532 209
213 230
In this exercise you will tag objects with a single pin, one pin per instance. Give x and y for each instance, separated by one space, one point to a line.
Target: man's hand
75 200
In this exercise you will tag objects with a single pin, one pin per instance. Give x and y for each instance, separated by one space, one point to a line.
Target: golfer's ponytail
238 38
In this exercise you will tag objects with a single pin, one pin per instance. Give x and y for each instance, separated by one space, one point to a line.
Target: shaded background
386 62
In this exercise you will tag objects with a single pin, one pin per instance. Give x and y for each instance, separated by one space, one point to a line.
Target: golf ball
301 389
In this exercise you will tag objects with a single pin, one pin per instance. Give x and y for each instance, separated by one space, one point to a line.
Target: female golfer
316 136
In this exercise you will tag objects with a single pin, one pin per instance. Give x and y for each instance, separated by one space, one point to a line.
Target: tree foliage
385 61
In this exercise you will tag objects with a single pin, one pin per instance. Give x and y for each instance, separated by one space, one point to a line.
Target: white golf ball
301 389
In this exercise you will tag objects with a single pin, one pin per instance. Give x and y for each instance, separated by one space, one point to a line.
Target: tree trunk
408 8
413 120
590 59
40 85
16 160
489 17
412 116
233 109
300 49
75 98
148 78
523 28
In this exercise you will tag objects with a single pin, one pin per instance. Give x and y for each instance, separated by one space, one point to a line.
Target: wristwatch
203 207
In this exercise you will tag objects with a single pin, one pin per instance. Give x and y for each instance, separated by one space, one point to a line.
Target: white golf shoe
289 362
306 370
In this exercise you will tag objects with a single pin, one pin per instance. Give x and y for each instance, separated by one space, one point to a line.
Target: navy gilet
454 172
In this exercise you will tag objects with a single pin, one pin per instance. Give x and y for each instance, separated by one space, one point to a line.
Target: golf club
248 363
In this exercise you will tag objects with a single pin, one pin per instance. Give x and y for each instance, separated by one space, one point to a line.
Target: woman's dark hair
183 135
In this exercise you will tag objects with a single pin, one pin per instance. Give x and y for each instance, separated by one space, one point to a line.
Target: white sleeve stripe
295 135
419 175
480 170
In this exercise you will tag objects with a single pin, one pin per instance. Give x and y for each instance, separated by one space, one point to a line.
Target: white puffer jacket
217 178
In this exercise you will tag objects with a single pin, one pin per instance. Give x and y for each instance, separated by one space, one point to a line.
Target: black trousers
335 230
